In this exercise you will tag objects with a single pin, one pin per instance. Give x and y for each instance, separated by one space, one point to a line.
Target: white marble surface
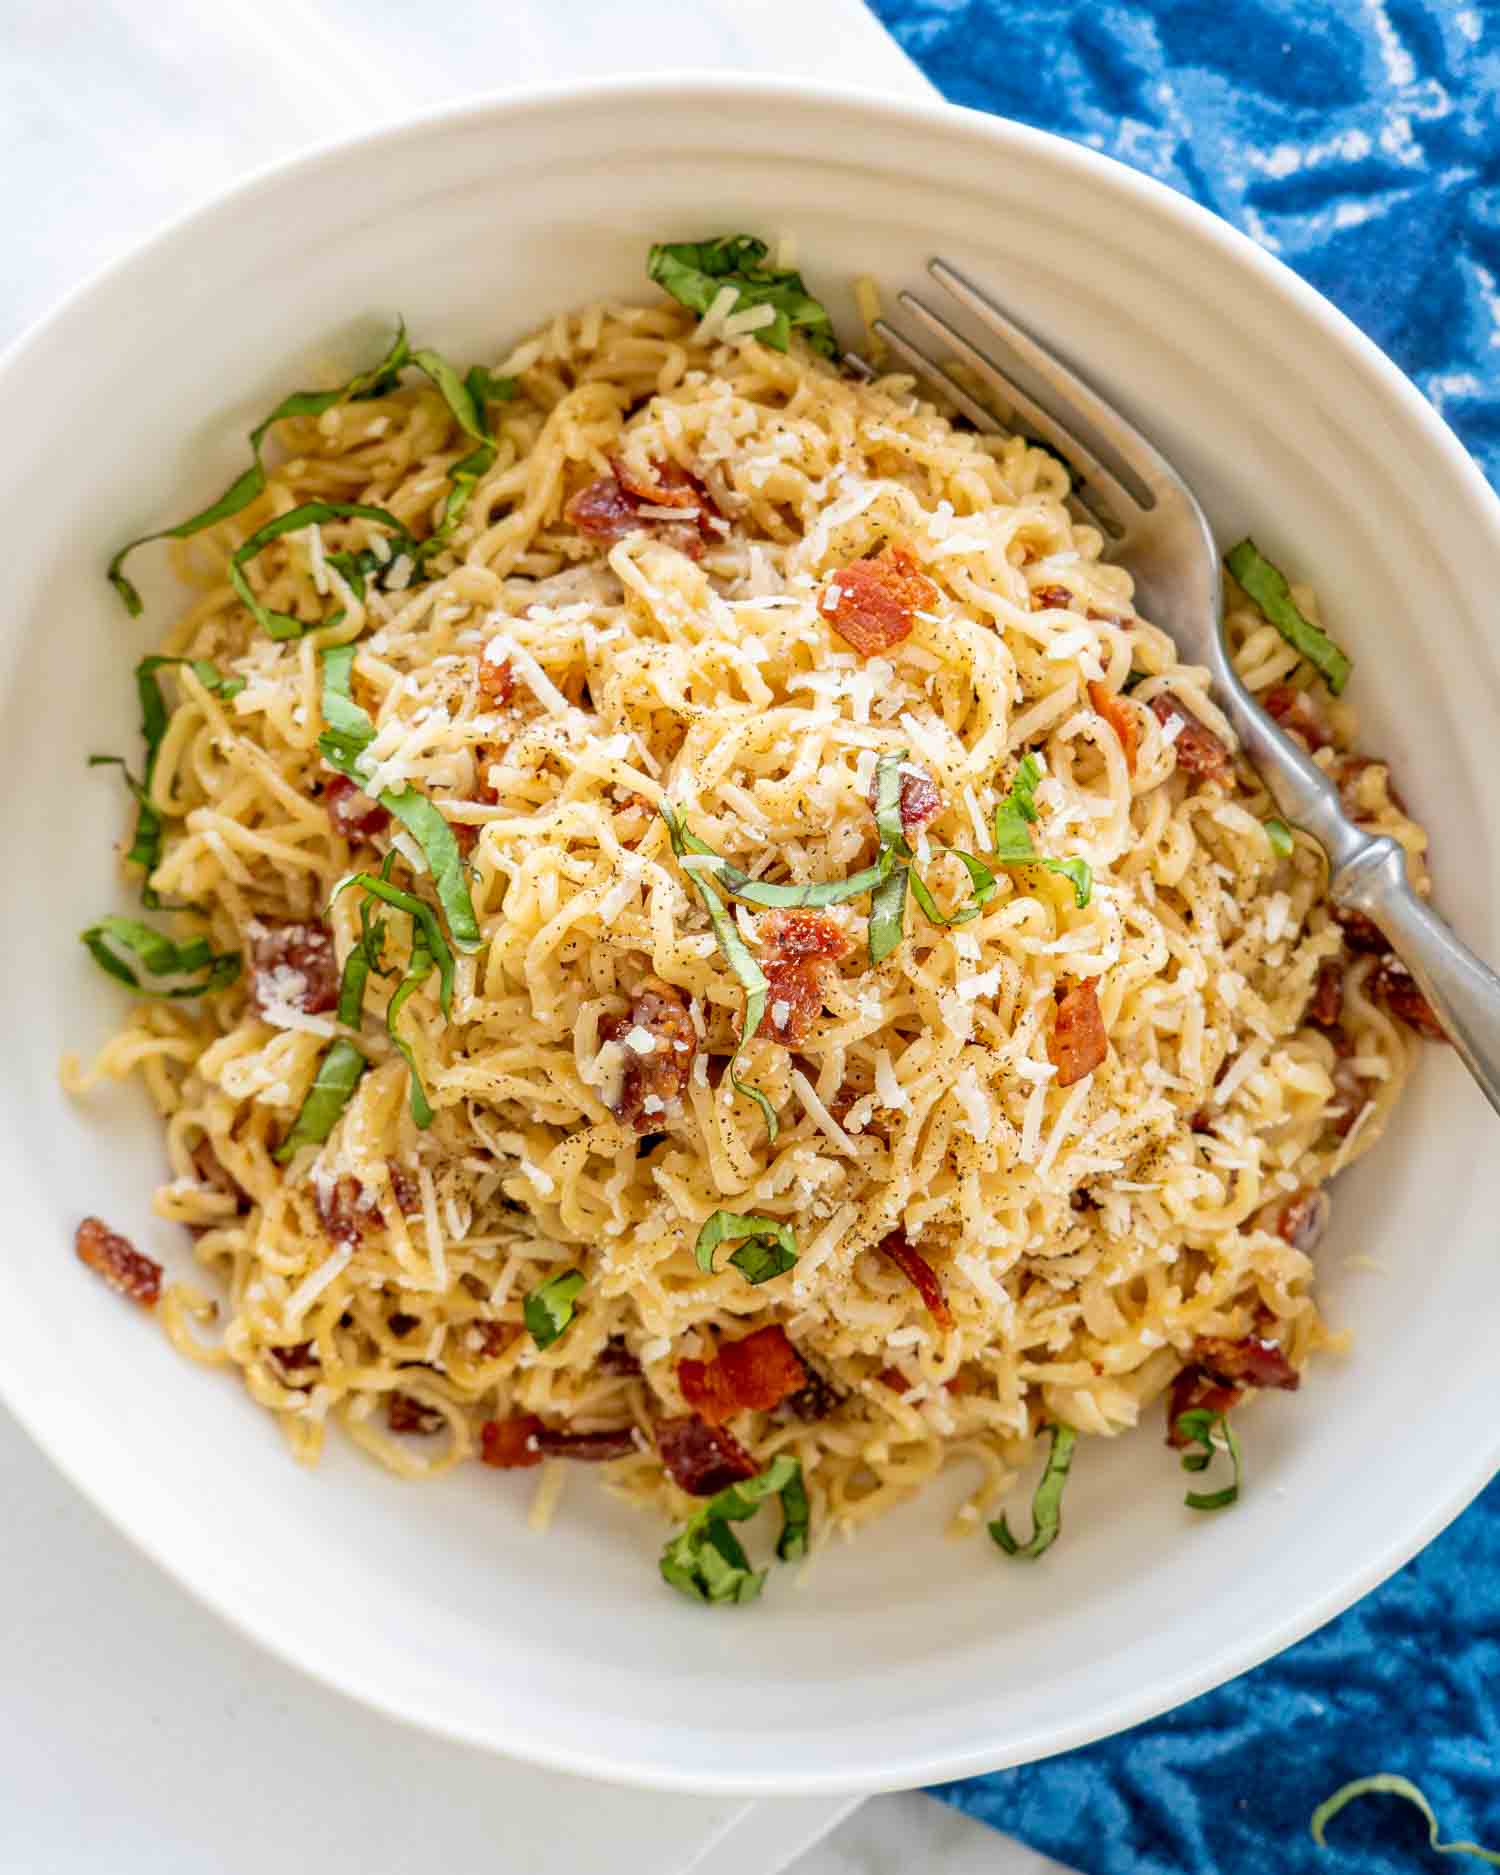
142 1733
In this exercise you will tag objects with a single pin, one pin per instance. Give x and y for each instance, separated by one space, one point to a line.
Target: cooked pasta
1029 1168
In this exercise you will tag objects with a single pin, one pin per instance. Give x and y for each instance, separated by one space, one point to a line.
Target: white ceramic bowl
905 1658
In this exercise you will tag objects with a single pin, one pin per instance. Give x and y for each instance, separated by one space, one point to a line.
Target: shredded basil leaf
418 969
367 957
1046 1505
549 1307
245 487
737 955
695 272
769 1249
282 625
1198 1424
337 1077
817 892
1279 835
888 823
1390 1784
1014 846
342 745
1266 586
466 398
159 956
888 914
424 921
981 880
706 1561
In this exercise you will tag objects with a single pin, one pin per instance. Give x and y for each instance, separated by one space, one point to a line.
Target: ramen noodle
1059 1148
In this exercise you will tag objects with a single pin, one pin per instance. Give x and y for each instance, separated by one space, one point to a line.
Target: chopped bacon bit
1252 1361
615 1358
1121 719
1078 1042
212 1172
1051 599
295 1358
893 1378
659 1076
801 944
354 814
609 508
404 1188
1199 751
294 963
1192 1390
919 1272
1301 1218
750 1375
1394 985
511 1444
404 1412
1327 1003
117 1260
1202 1121
816 1398
345 1212
920 800
702 1459
1294 710
594 1448
1361 934
497 681
872 604
496 1337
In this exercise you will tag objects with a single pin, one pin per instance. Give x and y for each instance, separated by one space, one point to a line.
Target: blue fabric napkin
1359 140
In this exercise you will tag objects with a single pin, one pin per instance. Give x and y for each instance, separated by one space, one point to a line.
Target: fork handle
1463 992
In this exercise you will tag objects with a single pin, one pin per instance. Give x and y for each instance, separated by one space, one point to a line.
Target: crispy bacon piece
296 1358
920 799
1193 1389
1252 1361
615 1358
593 1448
1300 1218
1394 985
511 1444
1294 710
343 1209
753 1374
1078 1042
816 1398
872 604
701 1458
404 1188
893 1378
1327 1003
652 1081
213 1172
801 944
117 1260
1121 719
353 813
1199 751
919 1273
496 1337
497 680
610 508
404 1412
1361 934
293 963
1051 599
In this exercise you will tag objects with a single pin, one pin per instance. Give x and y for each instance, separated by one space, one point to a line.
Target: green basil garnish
1046 1505
695 272
981 880
337 1077
706 1561
816 893
1279 836
160 956
769 1248
342 744
737 955
418 969
549 1307
1389 1784
1266 587
245 487
282 625
466 399
367 957
888 913
1014 818
1198 1425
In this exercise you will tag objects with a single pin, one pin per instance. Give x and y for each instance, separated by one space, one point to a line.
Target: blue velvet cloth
1360 141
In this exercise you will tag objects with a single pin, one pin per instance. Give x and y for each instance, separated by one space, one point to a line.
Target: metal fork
1157 530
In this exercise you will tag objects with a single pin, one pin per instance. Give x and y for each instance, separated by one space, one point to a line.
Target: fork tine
1072 392
1105 490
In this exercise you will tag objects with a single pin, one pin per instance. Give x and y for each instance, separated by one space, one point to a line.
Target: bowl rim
241 1609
